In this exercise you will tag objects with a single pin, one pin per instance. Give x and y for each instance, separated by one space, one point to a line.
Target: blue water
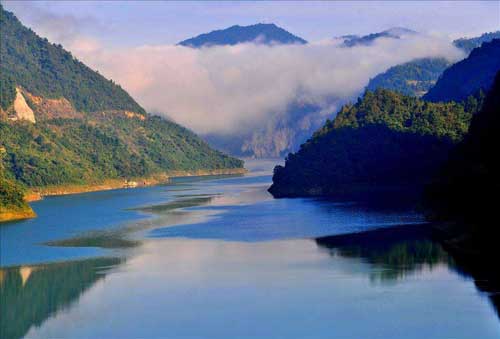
220 258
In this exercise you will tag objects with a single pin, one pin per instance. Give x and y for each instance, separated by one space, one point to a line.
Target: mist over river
218 257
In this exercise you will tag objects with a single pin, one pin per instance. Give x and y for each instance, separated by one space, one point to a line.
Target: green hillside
386 142
47 70
12 204
77 151
87 128
411 78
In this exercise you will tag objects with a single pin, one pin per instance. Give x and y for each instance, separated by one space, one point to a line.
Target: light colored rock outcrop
21 108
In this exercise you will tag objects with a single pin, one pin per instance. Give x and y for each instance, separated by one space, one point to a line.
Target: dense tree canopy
385 142
412 78
62 151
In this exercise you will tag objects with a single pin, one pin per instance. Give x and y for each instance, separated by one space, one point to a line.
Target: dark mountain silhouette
259 33
469 76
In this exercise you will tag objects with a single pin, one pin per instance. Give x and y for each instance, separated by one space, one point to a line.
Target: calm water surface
219 258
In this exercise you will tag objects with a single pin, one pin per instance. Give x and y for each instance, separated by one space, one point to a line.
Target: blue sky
156 22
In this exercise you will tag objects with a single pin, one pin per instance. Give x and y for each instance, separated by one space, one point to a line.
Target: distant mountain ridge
468 44
393 33
418 76
258 33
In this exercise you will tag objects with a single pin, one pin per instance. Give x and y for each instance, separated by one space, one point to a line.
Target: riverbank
38 193
16 213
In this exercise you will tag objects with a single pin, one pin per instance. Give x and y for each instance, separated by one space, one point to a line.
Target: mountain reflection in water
31 294
399 251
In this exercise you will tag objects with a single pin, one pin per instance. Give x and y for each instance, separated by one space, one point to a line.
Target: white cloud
232 89
236 88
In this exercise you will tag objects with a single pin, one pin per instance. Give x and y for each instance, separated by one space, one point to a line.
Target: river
218 257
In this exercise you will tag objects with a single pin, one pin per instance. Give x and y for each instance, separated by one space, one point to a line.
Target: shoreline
38 193
16 214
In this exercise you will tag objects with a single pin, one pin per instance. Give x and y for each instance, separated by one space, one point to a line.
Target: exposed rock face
21 109
280 135
46 109
28 106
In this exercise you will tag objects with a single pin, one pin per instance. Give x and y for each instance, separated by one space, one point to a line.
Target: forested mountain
466 189
468 44
259 33
48 71
469 76
393 33
418 76
411 78
62 123
385 143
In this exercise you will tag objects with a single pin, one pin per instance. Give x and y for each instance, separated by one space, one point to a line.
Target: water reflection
397 252
31 294
484 271
214 258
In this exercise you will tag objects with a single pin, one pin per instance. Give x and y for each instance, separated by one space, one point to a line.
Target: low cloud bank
233 89
230 89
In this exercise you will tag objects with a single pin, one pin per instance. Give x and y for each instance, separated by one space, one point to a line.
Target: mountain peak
393 32
262 33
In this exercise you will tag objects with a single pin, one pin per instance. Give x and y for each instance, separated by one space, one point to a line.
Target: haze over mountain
253 98
289 125
391 144
258 33
392 33
418 76
468 44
